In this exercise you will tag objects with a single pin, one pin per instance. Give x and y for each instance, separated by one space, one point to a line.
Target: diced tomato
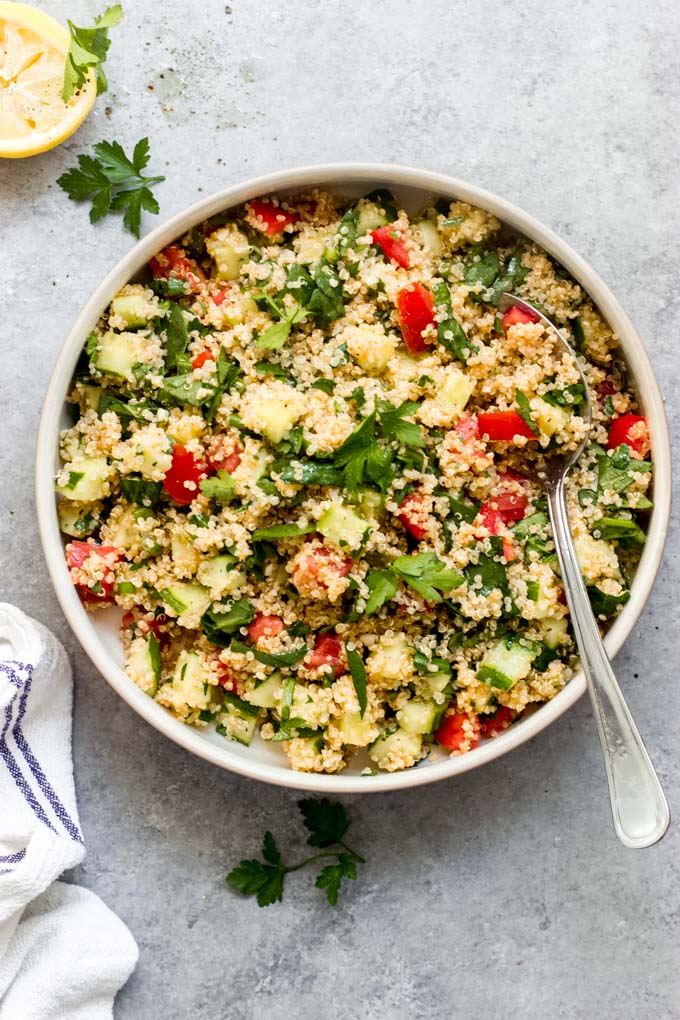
490 725
494 520
218 298
515 315
328 651
146 625
269 218
632 430
416 312
467 427
200 359
459 732
412 516
226 678
265 626
315 559
181 481
216 459
605 389
173 262
509 475
510 505
503 426
392 245
76 555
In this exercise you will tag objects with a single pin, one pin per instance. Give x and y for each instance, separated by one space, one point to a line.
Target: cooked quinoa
303 464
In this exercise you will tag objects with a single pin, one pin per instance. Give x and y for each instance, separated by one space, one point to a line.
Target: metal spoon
639 808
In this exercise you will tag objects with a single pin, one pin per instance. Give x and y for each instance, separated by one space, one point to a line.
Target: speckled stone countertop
501 893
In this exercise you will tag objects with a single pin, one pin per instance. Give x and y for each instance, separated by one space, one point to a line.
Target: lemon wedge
33 116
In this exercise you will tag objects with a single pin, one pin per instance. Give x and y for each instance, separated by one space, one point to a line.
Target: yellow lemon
33 116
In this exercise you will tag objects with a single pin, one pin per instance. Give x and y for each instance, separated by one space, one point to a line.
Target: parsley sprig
88 48
424 572
112 182
327 824
363 460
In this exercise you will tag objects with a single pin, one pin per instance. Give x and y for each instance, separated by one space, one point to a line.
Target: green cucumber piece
343 527
506 663
115 354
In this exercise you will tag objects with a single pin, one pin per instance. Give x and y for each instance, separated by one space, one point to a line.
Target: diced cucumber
87 479
371 347
391 660
219 575
116 354
554 630
456 390
144 663
121 531
184 597
506 663
236 308
238 719
356 731
371 503
369 217
275 414
189 680
550 419
435 683
310 247
419 716
229 248
343 527
430 237
185 557
268 693
315 742
75 520
131 308
91 396
398 745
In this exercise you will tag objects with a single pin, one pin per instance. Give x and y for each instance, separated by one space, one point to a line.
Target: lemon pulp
33 116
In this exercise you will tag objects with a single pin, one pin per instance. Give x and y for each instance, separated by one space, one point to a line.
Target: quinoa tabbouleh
301 464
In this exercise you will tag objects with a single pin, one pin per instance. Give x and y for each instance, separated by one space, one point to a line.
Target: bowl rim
320 175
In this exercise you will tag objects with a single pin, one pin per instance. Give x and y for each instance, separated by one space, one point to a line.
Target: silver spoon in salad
639 808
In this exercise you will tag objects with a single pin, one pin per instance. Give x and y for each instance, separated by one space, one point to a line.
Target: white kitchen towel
63 953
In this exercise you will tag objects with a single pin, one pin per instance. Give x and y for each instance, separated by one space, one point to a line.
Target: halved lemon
33 116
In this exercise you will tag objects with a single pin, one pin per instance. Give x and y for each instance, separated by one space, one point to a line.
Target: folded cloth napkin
63 953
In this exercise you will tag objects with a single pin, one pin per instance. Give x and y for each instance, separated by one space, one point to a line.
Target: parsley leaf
176 336
330 877
393 426
281 531
269 658
252 878
358 672
220 487
327 824
88 48
450 333
325 819
382 586
427 575
524 411
113 181
361 460
218 625
616 472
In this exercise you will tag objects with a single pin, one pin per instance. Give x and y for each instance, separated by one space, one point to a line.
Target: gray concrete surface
504 892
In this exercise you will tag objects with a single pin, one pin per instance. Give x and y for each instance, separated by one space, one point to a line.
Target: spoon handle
639 808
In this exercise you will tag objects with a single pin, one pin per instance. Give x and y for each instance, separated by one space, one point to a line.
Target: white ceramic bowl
98 633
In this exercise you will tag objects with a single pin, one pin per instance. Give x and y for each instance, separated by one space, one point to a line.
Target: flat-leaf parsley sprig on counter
113 182
327 823
88 49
